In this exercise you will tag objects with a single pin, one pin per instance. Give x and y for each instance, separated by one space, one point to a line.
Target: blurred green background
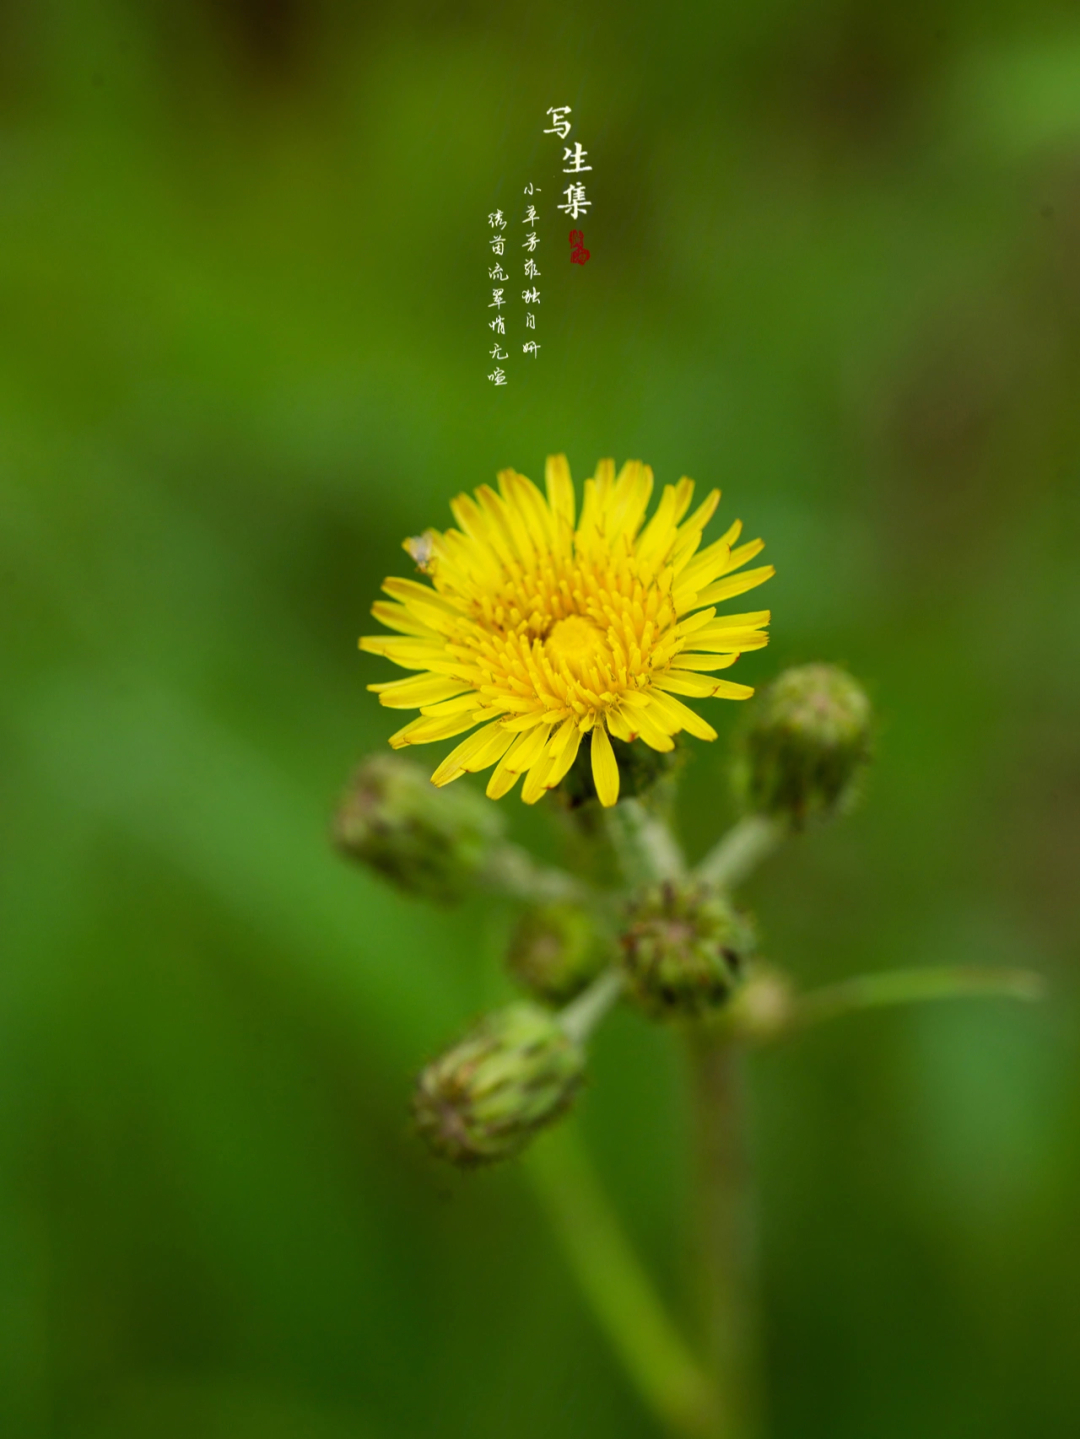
836 270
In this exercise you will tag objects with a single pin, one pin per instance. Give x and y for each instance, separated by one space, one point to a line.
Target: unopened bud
764 1007
684 949
484 1099
806 741
555 951
428 841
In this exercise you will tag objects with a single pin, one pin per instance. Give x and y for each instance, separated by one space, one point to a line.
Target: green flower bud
684 949
806 742
555 951
428 841
764 1007
484 1099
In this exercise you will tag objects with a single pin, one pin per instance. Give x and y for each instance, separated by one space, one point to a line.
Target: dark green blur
835 268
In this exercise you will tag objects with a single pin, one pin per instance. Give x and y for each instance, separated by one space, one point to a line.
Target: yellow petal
426 689
702 515
675 712
523 722
499 742
605 769
731 641
752 620
427 730
468 701
655 540
704 568
729 690
502 781
408 591
684 493
561 762
746 552
397 617
506 773
620 726
560 488
629 501
698 686
693 623
410 654
685 661
533 745
735 585
479 525
424 604
459 760
521 492
535 786
516 520
654 727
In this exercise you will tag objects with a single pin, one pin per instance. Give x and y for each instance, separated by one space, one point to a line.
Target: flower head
541 631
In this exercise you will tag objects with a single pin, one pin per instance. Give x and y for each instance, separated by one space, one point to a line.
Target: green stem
725 1249
910 986
512 871
656 1359
741 850
644 845
583 1014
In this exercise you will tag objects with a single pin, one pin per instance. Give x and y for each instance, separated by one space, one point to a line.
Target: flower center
577 644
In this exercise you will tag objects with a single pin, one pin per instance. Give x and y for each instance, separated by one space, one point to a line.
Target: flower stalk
735 857
512 871
724 1224
563 645
582 1015
643 843
912 986
663 1370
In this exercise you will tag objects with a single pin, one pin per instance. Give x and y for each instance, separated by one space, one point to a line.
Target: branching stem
646 849
657 1361
910 986
737 855
725 1236
583 1014
512 871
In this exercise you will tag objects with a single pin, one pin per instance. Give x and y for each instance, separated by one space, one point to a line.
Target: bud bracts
430 842
555 951
484 1099
807 738
684 949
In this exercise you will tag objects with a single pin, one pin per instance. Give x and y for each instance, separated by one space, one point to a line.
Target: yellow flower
542 633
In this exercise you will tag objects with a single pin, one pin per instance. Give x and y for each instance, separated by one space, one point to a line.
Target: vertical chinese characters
497 241
576 202
531 295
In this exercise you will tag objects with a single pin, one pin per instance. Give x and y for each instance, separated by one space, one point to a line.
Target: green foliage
833 269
